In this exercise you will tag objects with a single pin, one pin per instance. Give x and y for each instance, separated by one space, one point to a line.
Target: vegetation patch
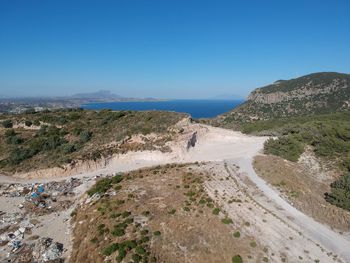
340 194
237 259
116 228
60 137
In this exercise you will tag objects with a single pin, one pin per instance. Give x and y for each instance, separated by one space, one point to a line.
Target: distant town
36 104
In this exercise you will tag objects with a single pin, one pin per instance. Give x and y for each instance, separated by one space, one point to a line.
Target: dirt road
220 145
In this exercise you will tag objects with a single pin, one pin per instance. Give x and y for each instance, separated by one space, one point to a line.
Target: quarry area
209 199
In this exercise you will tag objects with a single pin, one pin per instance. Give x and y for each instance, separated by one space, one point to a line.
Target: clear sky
167 48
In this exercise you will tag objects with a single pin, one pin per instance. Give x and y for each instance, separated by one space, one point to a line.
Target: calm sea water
196 108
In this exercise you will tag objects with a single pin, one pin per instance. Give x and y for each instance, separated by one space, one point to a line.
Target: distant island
23 104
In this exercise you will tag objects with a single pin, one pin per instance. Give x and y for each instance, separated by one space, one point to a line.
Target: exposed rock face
315 93
192 141
300 92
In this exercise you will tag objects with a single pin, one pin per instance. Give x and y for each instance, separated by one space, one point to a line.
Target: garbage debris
17 225
94 197
47 250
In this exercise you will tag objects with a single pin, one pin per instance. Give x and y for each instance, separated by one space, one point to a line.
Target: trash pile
43 250
35 190
33 201
46 250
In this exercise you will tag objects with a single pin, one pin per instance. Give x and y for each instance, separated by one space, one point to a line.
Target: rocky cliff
316 93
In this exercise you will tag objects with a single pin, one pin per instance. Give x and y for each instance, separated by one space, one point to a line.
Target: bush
340 194
110 249
227 221
121 254
172 211
28 123
237 259
7 124
126 214
136 258
253 244
52 142
18 155
14 140
216 211
69 148
140 250
10 132
118 232
117 178
286 147
157 233
237 234
129 244
85 136
100 187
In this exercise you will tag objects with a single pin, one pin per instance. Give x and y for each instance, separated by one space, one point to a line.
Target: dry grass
168 199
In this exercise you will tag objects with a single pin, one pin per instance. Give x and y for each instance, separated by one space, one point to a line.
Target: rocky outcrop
316 93
300 92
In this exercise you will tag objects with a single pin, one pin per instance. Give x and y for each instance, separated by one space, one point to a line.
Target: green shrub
216 211
28 123
172 211
237 234
129 244
340 193
110 249
20 154
69 148
121 254
10 133
136 258
7 124
285 147
227 221
187 209
118 232
157 233
85 136
144 232
237 259
117 179
140 250
144 239
14 140
100 187
253 244
126 214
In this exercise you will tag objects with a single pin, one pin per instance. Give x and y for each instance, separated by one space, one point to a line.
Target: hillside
317 93
32 141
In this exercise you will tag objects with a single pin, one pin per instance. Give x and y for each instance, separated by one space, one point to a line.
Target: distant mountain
317 93
101 94
21 104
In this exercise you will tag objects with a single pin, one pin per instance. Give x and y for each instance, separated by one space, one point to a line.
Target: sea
196 108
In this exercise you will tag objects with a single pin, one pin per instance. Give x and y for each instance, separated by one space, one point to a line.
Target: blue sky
167 48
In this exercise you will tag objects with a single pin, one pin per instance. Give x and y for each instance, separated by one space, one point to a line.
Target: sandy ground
234 149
